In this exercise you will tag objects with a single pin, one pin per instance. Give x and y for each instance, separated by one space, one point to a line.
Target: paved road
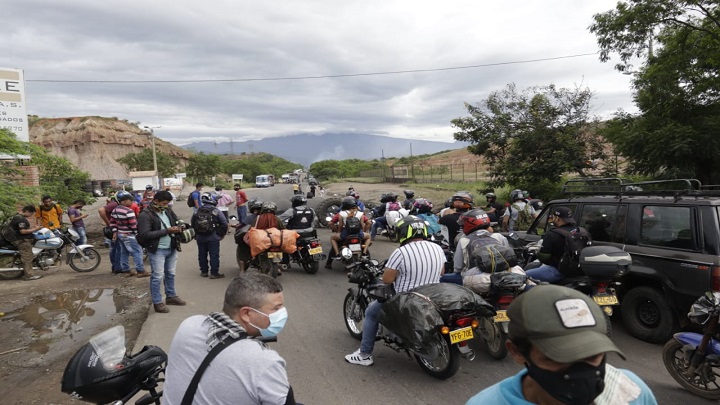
315 340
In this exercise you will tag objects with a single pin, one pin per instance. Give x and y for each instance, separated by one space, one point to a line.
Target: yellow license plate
610 299
315 251
272 255
460 335
501 316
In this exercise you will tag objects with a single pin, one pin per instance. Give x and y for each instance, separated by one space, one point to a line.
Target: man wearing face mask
245 371
559 335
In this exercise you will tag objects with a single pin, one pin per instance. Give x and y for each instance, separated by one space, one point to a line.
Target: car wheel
647 315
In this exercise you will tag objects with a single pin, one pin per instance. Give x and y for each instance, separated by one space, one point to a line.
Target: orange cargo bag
261 240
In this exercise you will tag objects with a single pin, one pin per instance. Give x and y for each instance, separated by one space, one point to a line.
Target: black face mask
580 384
159 207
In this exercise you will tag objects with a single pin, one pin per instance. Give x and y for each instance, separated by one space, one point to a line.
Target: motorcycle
504 287
439 355
48 252
309 252
693 359
392 217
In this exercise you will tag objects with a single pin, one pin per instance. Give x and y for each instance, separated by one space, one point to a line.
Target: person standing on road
48 214
240 202
416 262
559 335
246 371
124 226
19 233
114 244
76 219
223 202
210 228
195 195
157 227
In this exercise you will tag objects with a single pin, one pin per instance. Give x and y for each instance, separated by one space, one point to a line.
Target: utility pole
152 140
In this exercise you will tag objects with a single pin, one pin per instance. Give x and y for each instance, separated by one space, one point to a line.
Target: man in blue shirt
559 335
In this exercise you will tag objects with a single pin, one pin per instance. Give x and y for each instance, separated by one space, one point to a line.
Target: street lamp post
152 140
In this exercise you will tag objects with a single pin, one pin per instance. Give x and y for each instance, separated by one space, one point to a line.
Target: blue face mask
277 322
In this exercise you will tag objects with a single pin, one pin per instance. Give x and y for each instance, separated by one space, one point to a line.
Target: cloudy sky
229 69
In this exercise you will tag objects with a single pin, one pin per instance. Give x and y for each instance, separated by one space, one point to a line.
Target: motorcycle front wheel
446 364
494 338
11 275
703 383
354 319
85 264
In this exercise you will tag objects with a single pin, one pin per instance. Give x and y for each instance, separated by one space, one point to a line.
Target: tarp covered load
261 240
415 315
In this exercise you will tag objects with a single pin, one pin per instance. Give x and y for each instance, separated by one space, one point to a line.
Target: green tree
532 137
202 166
143 160
677 88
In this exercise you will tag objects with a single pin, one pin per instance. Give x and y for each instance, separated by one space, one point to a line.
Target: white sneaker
359 358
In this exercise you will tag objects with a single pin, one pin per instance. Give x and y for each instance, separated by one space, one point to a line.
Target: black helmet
384 198
348 203
207 198
462 200
411 227
268 207
422 205
409 193
298 200
255 203
88 376
350 193
391 196
490 195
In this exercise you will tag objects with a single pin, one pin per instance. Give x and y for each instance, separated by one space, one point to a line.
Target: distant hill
306 149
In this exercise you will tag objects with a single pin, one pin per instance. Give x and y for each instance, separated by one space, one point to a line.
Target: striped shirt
123 220
417 263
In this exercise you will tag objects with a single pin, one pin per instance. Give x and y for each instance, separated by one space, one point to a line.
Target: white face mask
277 322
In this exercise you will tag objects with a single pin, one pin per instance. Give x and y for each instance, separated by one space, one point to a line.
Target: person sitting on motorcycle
243 250
348 208
299 217
20 234
409 199
391 204
493 208
422 208
462 201
356 195
379 220
553 246
254 206
416 262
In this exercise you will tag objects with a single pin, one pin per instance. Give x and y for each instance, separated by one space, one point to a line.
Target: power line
270 79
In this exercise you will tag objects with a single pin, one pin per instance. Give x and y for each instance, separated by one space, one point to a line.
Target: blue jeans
83 235
162 263
211 247
131 247
546 273
242 213
380 222
370 327
115 253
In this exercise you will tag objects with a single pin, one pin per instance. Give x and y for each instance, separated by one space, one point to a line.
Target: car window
599 220
667 227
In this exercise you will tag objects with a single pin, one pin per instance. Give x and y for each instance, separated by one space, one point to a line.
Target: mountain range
307 149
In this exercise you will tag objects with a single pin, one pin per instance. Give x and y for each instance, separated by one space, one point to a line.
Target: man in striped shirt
416 262
123 223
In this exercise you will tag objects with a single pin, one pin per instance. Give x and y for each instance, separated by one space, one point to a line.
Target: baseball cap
565 324
565 213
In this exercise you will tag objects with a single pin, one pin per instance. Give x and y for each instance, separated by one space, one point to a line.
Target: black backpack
575 241
191 200
488 255
353 225
205 221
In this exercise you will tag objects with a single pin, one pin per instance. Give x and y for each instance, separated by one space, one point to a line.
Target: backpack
488 255
393 206
524 219
575 241
205 221
191 200
353 225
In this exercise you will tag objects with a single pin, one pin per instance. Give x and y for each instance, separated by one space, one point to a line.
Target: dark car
671 228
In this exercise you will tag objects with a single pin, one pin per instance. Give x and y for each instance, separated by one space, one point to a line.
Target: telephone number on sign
12 128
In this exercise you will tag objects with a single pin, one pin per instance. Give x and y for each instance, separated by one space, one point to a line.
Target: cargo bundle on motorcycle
261 240
415 315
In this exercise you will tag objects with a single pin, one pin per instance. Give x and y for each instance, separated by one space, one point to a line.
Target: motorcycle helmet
298 200
384 198
462 200
348 203
422 206
149 187
207 198
392 197
490 196
349 193
98 378
188 233
409 193
269 206
516 195
700 310
120 194
473 220
255 204
411 227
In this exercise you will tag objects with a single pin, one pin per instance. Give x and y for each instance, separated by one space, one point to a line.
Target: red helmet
473 220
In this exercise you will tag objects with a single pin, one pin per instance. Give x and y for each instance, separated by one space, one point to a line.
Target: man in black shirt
19 233
461 202
553 247
493 208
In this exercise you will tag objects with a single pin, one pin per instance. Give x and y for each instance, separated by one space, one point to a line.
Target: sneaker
175 301
360 359
33 277
131 273
219 275
161 308
203 274
143 274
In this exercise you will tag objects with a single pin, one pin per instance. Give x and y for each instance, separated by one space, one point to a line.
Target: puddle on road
61 319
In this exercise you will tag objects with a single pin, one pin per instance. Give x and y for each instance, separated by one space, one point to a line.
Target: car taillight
463 322
715 281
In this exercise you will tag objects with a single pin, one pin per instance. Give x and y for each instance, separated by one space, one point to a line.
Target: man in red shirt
240 199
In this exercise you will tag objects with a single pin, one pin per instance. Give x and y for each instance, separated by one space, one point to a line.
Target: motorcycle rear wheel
447 363
494 338
11 275
675 363
312 267
354 324
267 266
90 262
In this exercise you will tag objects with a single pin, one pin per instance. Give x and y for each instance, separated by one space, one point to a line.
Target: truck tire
647 315
322 209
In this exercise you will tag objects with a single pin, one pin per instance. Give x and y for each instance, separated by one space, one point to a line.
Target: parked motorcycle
48 252
693 359
309 252
438 356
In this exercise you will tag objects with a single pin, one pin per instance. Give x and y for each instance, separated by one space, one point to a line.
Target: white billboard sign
13 107
237 177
